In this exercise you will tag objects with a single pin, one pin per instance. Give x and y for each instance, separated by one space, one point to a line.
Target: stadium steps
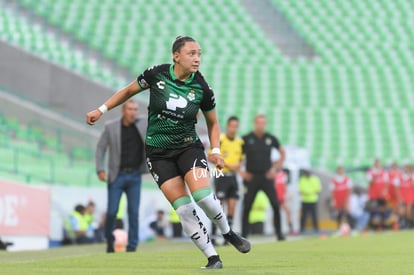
35 161
365 67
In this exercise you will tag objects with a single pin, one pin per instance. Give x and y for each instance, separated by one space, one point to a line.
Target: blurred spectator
120 236
406 190
381 217
280 182
90 219
77 229
177 228
89 213
357 208
309 188
4 244
159 224
257 215
393 192
378 180
341 186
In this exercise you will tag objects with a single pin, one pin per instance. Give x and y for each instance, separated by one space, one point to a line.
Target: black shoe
4 245
214 262
281 238
240 243
110 249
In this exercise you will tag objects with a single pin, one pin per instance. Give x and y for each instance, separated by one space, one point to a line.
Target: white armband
215 150
103 108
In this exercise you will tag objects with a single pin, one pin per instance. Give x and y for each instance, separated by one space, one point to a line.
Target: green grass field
387 253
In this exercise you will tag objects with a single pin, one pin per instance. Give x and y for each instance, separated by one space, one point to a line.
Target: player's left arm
214 136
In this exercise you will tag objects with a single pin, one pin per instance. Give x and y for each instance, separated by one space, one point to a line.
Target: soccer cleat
214 262
240 243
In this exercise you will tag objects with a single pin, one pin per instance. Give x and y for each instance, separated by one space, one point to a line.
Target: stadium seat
351 103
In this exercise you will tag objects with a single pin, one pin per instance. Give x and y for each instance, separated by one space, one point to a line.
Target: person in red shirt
280 182
378 179
377 190
341 186
406 188
393 195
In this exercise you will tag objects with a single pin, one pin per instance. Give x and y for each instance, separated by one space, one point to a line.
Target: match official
226 185
260 172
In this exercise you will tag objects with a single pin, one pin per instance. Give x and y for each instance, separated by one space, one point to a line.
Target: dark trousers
342 214
257 228
260 182
177 230
130 183
309 208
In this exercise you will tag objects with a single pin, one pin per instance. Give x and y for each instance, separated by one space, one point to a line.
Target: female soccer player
175 155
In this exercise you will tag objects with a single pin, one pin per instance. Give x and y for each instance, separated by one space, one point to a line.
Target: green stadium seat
364 63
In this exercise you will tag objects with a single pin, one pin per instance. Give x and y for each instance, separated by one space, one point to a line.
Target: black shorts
165 164
226 187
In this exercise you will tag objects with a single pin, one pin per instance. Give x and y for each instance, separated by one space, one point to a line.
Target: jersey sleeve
244 145
208 101
275 142
145 79
369 176
332 186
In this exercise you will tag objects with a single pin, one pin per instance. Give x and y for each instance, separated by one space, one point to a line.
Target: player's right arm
118 98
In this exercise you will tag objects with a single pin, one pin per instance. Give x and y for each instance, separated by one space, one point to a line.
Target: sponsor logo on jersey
144 84
176 101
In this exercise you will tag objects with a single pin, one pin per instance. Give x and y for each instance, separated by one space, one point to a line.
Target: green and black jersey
173 106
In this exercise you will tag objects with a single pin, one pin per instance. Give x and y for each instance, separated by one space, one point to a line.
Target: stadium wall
42 81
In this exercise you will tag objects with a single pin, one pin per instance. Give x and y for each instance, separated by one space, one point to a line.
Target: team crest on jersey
144 84
191 95
268 141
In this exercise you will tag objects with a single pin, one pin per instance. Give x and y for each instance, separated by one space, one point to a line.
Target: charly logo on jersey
161 85
191 95
176 101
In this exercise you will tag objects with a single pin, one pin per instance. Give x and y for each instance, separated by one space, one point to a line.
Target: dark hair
232 118
80 208
180 41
